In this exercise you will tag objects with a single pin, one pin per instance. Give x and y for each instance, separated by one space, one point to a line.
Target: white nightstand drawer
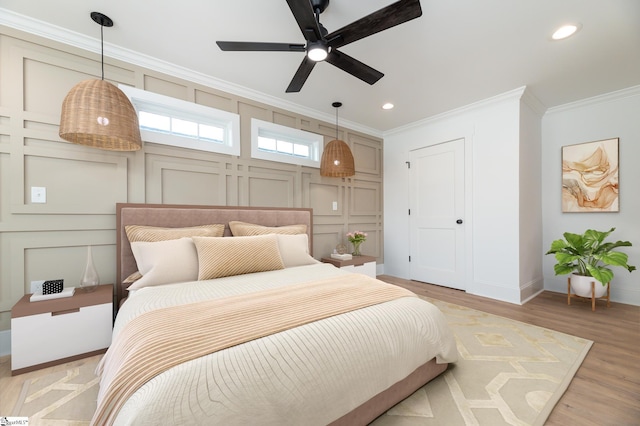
368 268
41 338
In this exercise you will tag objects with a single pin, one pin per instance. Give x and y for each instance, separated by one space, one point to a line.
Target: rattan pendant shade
96 113
337 159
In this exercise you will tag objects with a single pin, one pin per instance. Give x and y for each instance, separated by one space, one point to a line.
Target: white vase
581 286
90 280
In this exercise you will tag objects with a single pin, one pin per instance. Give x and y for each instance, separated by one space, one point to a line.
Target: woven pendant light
337 160
96 113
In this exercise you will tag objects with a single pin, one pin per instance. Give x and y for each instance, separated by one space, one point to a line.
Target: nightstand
359 264
56 331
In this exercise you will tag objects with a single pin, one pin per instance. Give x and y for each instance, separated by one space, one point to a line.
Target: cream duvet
313 371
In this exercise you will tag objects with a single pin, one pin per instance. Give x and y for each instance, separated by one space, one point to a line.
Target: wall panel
47 241
166 88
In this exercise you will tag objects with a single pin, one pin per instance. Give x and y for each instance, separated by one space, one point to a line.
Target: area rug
509 373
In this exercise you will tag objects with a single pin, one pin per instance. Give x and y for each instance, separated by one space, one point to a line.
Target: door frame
437 139
419 271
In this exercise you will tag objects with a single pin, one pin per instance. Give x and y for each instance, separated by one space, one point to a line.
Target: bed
264 335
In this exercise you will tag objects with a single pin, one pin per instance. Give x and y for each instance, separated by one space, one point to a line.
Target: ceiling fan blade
395 14
301 75
260 46
353 66
305 17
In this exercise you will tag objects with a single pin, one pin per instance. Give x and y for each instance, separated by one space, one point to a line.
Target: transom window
170 121
270 141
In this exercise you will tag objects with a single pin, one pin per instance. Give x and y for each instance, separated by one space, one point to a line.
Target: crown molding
46 30
510 95
533 102
599 99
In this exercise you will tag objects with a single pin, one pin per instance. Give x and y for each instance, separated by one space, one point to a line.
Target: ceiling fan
322 45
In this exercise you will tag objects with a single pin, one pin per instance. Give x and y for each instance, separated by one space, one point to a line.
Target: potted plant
587 257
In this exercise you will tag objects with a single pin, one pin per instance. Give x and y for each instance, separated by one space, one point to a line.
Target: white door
436 200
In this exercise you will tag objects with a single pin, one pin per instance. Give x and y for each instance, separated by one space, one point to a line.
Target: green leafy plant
589 255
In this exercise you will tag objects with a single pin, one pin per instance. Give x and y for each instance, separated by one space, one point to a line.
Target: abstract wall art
590 177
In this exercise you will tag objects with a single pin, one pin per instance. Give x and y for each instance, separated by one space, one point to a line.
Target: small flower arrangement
356 238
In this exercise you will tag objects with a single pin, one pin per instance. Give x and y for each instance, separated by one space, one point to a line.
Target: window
274 142
170 121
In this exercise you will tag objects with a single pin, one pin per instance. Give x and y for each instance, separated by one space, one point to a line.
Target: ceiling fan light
317 52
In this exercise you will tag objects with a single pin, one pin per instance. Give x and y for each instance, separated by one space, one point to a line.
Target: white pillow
294 250
165 262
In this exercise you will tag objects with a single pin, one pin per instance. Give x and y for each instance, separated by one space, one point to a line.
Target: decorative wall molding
71 38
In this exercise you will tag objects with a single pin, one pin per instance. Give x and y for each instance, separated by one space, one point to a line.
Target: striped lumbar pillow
153 233
247 229
223 257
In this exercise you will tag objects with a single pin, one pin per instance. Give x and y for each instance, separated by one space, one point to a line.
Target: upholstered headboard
177 216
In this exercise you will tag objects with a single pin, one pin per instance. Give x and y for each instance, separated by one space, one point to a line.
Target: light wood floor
606 388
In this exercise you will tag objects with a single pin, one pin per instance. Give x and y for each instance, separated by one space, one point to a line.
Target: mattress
312 374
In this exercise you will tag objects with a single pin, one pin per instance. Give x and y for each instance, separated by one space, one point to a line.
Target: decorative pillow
240 229
165 262
223 257
294 250
154 233
132 278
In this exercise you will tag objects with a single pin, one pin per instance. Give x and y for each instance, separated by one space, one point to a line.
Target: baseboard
5 342
530 290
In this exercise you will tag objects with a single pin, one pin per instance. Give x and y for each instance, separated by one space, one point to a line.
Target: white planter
581 286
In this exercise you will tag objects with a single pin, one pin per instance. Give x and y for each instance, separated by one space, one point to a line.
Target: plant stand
593 294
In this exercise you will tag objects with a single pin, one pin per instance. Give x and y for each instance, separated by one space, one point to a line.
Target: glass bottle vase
356 248
90 280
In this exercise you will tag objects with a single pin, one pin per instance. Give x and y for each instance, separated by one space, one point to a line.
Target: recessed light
388 105
565 31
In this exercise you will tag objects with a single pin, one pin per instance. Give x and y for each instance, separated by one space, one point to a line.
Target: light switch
38 194
335 205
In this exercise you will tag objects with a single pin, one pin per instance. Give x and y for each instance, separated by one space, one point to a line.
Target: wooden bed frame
165 215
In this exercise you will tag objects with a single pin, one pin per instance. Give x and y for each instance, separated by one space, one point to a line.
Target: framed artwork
590 177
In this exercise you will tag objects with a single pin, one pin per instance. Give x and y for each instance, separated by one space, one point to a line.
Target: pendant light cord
102 49
336 122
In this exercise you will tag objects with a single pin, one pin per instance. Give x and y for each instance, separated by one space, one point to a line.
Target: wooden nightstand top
355 261
24 307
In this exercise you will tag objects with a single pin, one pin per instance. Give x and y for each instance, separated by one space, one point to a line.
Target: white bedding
310 375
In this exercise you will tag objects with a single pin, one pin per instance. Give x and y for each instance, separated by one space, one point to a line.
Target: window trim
315 142
178 108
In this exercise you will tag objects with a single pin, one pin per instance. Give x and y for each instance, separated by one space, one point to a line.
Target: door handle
459 221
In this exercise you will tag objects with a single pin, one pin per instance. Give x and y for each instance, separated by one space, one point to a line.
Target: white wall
491 130
615 115
531 277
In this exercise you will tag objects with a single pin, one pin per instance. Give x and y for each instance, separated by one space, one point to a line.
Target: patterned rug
509 373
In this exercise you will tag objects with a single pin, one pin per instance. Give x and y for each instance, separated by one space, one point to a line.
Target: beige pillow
154 233
165 262
239 229
132 278
294 250
223 257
